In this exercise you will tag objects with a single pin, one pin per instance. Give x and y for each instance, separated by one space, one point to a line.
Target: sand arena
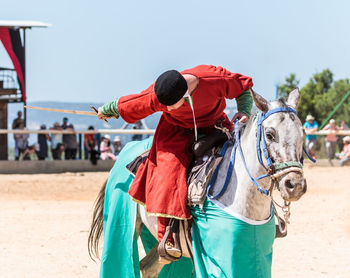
45 220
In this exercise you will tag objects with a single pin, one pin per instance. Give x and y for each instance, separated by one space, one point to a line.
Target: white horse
275 131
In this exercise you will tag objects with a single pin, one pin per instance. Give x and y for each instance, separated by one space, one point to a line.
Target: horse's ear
293 98
259 101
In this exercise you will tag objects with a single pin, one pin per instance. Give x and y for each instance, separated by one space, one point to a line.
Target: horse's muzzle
292 186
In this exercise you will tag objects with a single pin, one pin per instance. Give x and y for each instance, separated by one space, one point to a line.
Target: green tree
320 96
313 93
286 88
329 101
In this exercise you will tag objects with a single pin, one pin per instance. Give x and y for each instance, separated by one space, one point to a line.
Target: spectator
42 152
89 143
117 144
16 122
21 141
65 137
340 143
70 144
106 151
331 140
29 152
310 126
57 146
64 123
344 156
137 137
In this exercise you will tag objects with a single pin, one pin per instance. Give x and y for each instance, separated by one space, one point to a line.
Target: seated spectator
21 141
57 146
331 140
29 153
344 156
42 152
105 149
310 126
70 144
117 145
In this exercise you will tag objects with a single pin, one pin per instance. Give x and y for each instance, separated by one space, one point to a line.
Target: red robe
160 182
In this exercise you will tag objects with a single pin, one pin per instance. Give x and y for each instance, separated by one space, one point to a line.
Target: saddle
207 159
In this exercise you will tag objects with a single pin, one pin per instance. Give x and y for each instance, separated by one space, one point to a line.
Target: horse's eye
270 136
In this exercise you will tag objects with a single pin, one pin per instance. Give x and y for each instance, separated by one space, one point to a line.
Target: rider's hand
241 117
101 116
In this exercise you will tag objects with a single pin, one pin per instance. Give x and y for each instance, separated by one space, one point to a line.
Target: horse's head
284 136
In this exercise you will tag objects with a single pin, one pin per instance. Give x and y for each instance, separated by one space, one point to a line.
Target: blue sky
98 50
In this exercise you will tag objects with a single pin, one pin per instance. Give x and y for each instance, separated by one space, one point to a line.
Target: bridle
273 170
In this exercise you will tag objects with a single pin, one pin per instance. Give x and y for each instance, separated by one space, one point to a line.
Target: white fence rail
54 131
129 131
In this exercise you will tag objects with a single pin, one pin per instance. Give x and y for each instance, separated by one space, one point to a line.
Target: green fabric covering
225 246
120 252
245 103
110 109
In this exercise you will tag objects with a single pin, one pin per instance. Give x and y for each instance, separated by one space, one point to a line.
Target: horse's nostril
305 188
288 184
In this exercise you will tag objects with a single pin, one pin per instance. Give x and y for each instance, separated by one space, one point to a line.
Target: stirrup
164 246
172 254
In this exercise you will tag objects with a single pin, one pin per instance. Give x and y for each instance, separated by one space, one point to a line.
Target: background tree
314 93
286 88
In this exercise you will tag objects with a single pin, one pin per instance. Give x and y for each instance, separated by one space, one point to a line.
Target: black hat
170 87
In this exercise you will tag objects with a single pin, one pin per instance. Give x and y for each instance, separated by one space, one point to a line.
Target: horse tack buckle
271 170
286 211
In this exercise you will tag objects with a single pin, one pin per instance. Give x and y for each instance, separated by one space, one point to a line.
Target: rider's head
170 87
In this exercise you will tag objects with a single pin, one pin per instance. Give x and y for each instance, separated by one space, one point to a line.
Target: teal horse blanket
120 256
225 246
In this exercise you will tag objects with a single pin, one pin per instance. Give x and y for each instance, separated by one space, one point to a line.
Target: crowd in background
63 146
332 141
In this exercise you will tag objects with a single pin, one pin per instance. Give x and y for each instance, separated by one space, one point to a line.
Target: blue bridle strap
261 134
231 167
260 139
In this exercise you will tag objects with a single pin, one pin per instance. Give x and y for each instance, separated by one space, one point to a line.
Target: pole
334 110
25 78
80 144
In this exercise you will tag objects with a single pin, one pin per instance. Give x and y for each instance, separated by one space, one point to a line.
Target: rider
192 102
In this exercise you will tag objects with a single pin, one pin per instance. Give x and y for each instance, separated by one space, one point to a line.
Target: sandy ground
44 222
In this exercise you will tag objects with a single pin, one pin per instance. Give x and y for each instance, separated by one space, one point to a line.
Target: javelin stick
77 112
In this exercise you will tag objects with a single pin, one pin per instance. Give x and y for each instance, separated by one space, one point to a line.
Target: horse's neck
249 202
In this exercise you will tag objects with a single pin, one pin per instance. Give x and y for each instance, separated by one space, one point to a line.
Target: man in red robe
191 101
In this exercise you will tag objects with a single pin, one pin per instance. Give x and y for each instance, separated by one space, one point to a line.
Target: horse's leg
139 223
149 265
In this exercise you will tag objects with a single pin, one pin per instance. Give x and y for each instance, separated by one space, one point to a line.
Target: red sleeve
234 84
133 108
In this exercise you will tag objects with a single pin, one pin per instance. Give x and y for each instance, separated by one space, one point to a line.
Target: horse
266 153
